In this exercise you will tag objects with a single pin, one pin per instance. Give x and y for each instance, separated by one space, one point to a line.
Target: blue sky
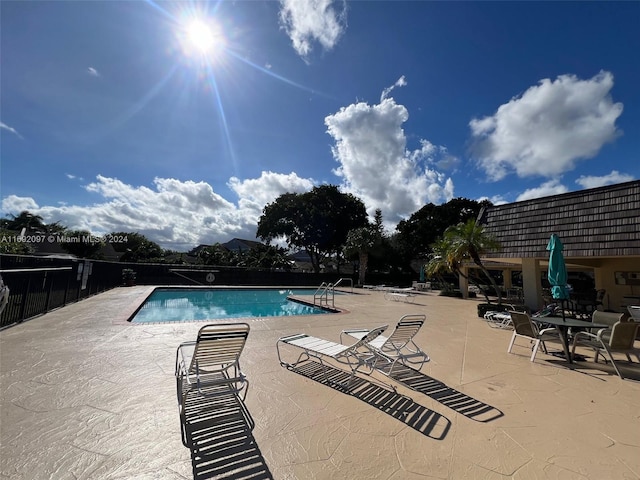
182 120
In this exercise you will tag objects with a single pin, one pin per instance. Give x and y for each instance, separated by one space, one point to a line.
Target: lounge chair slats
318 345
399 346
357 356
211 362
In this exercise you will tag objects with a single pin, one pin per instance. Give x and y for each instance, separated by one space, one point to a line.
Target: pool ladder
326 291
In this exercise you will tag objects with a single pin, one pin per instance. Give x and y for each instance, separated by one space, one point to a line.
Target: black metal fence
40 284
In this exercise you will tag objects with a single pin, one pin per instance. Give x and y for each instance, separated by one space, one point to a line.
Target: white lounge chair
498 319
398 347
210 365
400 294
356 356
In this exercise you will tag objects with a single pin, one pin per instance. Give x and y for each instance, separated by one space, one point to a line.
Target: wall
605 278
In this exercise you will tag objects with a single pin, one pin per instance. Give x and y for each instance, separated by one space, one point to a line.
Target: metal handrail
323 293
344 278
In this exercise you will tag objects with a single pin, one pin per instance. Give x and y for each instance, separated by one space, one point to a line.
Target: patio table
562 325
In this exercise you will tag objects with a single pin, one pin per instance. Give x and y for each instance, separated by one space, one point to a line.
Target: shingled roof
598 222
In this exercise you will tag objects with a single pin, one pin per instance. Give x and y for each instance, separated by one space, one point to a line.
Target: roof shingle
598 222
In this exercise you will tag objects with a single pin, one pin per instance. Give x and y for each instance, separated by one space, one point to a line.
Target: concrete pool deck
85 395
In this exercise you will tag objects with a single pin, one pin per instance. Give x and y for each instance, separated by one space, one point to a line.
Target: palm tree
443 259
27 220
361 241
439 260
469 241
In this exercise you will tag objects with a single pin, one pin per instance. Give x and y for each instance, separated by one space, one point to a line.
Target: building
600 230
240 245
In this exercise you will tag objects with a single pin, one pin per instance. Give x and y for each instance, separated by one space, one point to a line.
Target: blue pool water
171 305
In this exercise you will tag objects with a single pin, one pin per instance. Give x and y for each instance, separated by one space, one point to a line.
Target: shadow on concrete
400 407
218 430
603 370
447 396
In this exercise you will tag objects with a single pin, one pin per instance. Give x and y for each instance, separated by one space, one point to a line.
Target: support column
531 285
463 283
506 279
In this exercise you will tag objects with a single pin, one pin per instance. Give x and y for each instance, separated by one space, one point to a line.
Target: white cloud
376 165
14 204
93 72
401 82
590 181
4 126
175 214
310 21
255 193
552 187
495 199
548 129
71 176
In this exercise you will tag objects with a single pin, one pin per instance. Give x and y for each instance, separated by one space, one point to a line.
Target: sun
201 36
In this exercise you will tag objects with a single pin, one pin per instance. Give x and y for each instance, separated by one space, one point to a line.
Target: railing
321 295
327 291
35 291
350 280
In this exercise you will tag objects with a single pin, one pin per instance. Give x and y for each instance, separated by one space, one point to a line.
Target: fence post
47 303
23 300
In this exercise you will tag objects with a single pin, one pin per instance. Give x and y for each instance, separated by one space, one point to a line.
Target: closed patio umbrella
557 272
422 275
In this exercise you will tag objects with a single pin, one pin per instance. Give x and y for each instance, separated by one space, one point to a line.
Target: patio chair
619 339
399 346
210 365
634 311
524 327
606 318
356 356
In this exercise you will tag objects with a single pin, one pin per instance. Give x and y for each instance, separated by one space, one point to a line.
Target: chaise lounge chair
356 356
399 346
406 295
210 366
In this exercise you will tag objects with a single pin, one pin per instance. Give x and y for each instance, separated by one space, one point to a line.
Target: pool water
171 305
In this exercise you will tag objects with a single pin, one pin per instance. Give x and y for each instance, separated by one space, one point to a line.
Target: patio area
86 395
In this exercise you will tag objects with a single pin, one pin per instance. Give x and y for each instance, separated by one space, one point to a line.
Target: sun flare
203 37
200 36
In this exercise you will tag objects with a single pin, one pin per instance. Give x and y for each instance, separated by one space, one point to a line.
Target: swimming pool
183 304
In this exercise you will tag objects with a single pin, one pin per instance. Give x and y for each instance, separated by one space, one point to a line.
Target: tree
440 261
317 221
135 247
217 254
420 230
469 241
10 245
363 242
443 260
27 220
82 244
265 257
